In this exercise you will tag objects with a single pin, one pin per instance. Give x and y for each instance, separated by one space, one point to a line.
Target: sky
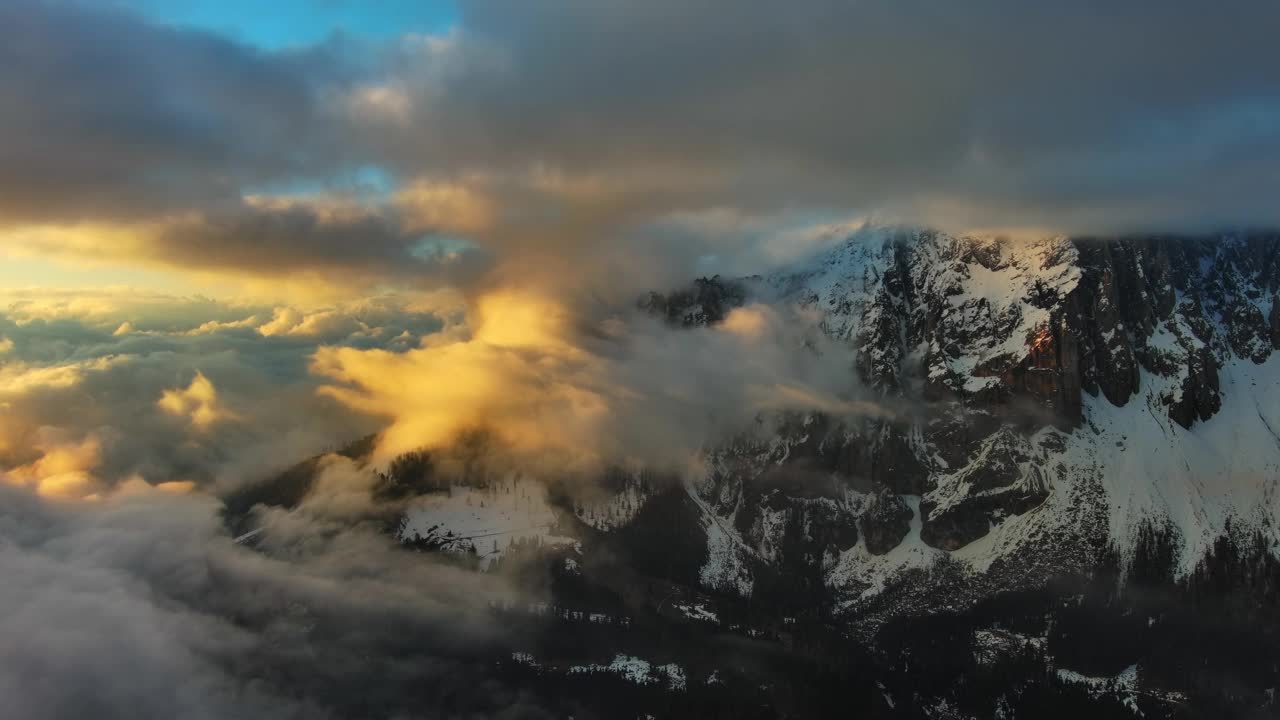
314 150
298 23
416 189
331 199
236 234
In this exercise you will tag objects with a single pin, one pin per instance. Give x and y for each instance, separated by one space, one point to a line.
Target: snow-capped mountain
1064 399
1069 506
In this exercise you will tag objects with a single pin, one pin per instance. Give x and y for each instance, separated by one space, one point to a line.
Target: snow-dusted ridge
1079 393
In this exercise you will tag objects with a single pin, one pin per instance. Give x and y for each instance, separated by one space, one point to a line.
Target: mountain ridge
1111 339
1090 449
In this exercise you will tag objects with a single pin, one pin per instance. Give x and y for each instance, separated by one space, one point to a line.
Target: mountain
1066 504
1060 400
1079 438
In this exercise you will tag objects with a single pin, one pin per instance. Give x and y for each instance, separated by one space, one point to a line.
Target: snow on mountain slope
858 567
1075 394
1222 472
487 520
1218 477
638 671
978 293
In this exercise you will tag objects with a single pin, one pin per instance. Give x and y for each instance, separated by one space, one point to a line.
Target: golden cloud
516 373
752 321
198 403
450 207
64 468
623 387
18 378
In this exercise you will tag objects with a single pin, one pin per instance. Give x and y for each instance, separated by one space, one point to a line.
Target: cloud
132 142
310 246
990 109
138 143
109 117
343 244
19 378
140 605
64 468
198 402
749 322
449 207
587 387
113 118
130 599
180 389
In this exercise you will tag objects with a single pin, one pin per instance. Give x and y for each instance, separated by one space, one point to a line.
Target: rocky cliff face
1058 396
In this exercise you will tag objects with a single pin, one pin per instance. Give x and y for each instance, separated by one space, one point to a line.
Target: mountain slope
1069 507
1064 395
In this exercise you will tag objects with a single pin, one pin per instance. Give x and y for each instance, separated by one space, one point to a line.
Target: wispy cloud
124 607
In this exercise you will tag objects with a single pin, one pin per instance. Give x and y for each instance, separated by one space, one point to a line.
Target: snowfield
489 519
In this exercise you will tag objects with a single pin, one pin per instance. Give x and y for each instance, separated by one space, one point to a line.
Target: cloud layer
142 606
1075 117
595 388
98 388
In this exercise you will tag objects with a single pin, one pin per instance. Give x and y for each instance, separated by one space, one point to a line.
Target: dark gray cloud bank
1073 115
575 119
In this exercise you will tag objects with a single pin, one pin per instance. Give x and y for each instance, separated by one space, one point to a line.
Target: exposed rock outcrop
885 522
